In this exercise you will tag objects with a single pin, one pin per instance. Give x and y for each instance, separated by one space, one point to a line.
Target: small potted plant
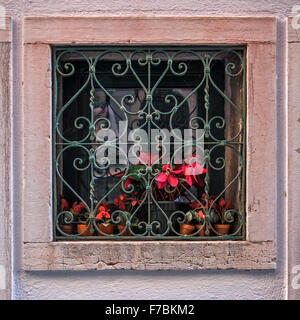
187 227
222 206
103 220
82 216
201 224
64 226
125 216
208 218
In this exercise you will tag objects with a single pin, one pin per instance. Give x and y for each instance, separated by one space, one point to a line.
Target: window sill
142 255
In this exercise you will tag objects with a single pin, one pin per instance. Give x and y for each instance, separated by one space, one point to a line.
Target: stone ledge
155 29
136 255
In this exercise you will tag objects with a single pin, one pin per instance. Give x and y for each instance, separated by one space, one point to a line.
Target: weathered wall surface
115 284
293 160
5 132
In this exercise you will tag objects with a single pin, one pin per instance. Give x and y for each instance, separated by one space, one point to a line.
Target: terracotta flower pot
186 228
82 228
126 232
109 229
67 228
222 228
202 232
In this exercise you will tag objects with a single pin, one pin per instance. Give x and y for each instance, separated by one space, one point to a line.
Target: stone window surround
258 251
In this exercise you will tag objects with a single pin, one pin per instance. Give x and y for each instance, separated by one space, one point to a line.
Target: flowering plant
167 176
166 186
196 215
221 208
187 173
218 208
78 209
134 179
103 215
121 203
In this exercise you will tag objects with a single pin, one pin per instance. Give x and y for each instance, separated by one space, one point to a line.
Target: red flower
192 169
195 205
228 205
75 203
211 203
133 203
77 208
102 213
64 204
167 177
224 205
201 214
222 202
82 205
119 202
128 182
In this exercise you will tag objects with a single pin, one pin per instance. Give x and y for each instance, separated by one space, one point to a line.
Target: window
257 40
149 142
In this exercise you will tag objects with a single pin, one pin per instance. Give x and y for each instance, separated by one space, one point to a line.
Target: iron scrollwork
102 93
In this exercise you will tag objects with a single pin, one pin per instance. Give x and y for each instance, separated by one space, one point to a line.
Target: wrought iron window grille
169 187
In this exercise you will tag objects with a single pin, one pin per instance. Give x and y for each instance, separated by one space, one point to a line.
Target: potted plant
171 185
166 186
103 220
210 217
64 225
125 216
201 224
187 227
81 215
222 207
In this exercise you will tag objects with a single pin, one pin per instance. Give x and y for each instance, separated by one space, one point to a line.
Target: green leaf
214 218
86 215
134 171
189 216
